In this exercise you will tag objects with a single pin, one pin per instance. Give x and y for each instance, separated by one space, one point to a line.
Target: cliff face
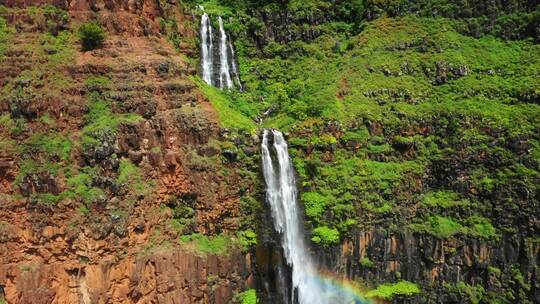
413 128
438 264
107 157
123 179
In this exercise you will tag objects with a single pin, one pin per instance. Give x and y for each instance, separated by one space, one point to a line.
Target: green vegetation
388 291
79 186
228 116
377 107
247 297
91 35
366 262
442 199
315 204
48 18
51 144
325 236
247 238
442 227
445 227
128 172
5 31
473 294
201 243
102 123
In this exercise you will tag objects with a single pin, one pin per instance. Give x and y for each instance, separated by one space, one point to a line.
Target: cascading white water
206 49
234 67
281 195
224 74
308 287
220 60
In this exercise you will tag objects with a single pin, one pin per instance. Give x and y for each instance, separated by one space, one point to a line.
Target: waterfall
224 72
218 66
308 285
281 195
206 49
234 67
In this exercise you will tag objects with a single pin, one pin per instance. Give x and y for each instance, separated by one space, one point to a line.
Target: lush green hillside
400 116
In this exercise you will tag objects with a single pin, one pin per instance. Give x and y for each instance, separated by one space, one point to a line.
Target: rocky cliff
108 156
413 128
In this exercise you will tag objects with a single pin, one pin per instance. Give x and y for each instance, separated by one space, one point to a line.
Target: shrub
388 291
325 236
92 36
366 262
439 226
468 293
315 204
5 31
481 227
443 199
247 297
247 238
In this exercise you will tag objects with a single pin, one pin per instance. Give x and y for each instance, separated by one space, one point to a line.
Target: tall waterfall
206 49
235 71
224 74
308 286
218 66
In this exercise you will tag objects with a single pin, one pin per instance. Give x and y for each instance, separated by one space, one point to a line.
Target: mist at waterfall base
218 66
309 284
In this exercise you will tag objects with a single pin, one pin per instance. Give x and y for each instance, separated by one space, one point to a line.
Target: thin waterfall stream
207 47
218 66
225 81
308 285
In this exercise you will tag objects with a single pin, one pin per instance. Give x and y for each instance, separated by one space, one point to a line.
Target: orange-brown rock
120 248
164 276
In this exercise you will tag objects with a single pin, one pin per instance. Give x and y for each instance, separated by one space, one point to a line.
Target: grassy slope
316 78
387 74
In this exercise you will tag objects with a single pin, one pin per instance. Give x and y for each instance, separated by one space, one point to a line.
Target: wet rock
255 140
230 155
433 262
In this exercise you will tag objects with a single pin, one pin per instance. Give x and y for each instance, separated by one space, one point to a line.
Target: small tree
91 35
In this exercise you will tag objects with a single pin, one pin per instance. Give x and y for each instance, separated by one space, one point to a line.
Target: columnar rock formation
121 247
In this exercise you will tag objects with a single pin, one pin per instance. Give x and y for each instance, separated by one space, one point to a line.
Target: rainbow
339 290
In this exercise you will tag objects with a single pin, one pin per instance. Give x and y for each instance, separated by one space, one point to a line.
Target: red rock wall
55 254
168 276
